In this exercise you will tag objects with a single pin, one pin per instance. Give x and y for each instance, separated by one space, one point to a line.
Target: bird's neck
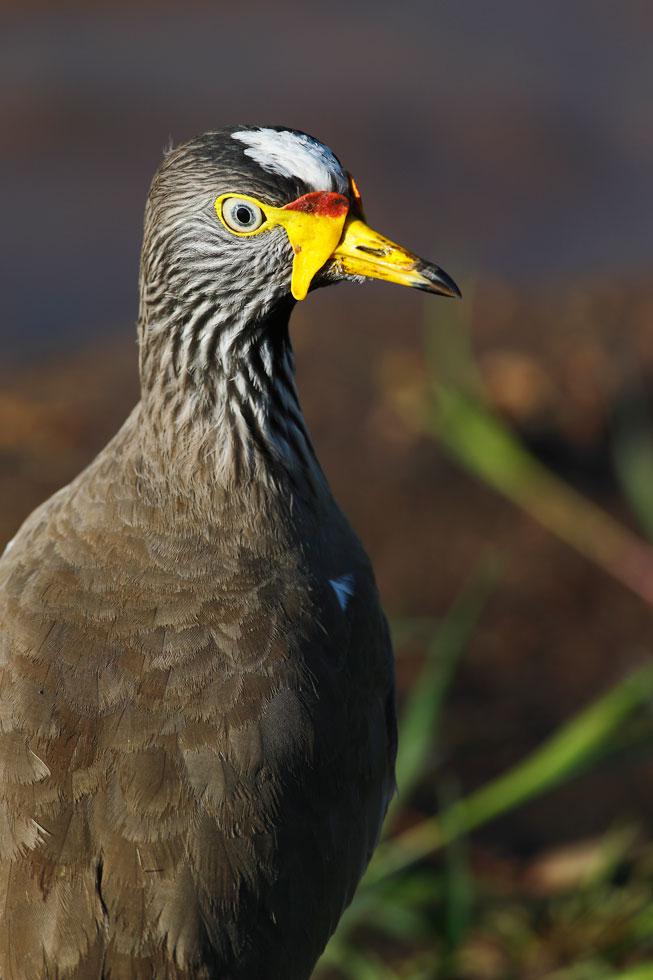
219 395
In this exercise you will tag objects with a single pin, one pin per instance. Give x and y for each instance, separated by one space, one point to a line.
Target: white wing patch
343 588
291 154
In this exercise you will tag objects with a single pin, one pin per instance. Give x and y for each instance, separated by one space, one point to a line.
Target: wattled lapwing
197 727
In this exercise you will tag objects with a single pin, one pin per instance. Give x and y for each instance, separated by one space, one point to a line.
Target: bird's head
240 224
252 214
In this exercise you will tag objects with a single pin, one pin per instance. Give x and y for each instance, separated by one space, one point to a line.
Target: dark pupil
244 215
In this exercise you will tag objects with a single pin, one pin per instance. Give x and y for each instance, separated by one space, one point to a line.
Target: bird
197 705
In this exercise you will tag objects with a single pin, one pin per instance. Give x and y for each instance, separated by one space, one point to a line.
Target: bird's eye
241 215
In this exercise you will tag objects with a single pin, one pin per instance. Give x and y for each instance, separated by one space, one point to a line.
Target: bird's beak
364 252
322 228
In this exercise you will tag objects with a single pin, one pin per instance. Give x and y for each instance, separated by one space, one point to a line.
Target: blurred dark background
512 143
508 139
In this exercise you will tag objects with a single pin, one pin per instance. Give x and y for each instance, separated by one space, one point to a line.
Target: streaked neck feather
222 393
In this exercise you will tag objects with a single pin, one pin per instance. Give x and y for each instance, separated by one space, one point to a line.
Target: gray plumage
196 734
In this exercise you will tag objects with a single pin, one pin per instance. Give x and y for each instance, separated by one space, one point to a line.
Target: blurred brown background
512 143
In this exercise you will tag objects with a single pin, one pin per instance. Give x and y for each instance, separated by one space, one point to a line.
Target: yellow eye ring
241 215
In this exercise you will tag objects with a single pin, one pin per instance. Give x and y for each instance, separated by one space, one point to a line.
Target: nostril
372 251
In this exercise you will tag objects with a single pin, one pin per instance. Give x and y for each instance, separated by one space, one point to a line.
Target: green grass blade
458 905
575 746
420 718
489 450
451 409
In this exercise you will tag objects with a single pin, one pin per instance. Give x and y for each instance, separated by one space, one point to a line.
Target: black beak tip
438 281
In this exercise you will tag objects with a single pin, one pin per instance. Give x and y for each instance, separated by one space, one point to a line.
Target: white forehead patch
291 154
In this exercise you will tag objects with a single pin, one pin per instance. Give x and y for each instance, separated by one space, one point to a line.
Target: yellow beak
364 252
321 228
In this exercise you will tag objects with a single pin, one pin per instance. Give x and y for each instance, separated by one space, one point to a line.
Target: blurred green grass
423 910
